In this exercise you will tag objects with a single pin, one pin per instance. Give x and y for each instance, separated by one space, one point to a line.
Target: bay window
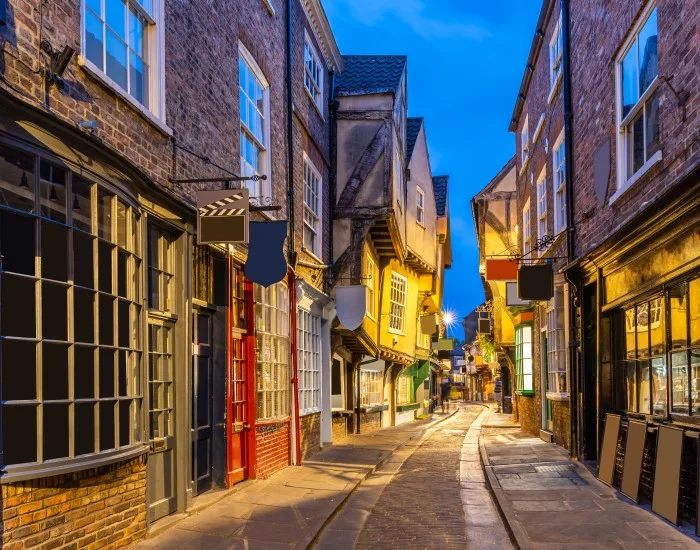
371 388
684 347
70 316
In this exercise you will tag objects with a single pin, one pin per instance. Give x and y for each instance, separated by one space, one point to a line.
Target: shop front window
70 316
684 315
404 385
523 359
272 351
371 388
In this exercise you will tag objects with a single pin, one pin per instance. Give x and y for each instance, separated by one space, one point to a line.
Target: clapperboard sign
222 216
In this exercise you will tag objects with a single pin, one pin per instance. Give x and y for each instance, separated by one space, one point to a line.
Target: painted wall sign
222 216
351 305
266 264
500 269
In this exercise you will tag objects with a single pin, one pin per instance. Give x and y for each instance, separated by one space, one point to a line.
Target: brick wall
528 415
339 429
272 442
602 26
99 508
310 433
370 421
561 425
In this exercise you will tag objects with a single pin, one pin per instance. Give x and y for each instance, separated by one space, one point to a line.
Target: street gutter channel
429 428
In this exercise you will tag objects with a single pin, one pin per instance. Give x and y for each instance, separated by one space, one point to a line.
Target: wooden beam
368 160
364 115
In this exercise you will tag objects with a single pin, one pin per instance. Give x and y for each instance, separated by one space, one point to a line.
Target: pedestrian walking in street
445 395
498 391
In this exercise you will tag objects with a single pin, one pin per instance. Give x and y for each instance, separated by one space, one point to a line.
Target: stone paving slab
550 502
290 508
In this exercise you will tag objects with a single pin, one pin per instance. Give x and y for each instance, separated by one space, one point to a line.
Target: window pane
84 428
652 129
83 267
643 330
55 431
695 379
104 250
644 390
93 38
630 81
18 434
136 26
53 192
104 214
122 213
153 289
631 385
122 273
635 144
694 304
84 315
106 315
106 372
17 312
54 251
106 425
657 326
17 251
84 372
55 311
679 382
139 79
81 206
16 179
677 298
658 385
123 324
648 58
122 374
115 15
124 422
18 370
153 248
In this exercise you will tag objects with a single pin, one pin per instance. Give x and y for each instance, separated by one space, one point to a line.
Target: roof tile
370 74
440 191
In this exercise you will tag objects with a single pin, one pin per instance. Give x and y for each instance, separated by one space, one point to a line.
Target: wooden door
202 402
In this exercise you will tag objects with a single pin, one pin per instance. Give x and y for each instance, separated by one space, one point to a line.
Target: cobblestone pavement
414 500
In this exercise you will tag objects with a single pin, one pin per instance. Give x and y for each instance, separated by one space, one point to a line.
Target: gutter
576 285
537 42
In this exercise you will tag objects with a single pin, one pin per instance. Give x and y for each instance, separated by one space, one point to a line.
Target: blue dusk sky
465 63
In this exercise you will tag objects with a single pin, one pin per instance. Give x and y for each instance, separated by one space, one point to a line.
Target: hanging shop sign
484 326
500 269
351 305
429 324
512 298
266 264
444 344
222 216
536 282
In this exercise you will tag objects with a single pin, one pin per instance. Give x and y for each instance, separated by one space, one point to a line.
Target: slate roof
440 191
413 126
370 74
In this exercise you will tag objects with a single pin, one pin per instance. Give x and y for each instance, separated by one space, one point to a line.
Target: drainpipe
290 139
575 367
292 252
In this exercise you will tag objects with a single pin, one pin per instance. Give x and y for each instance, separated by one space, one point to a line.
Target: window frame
542 214
310 168
559 184
524 144
555 45
420 207
625 180
527 229
261 189
310 48
309 371
404 389
370 271
127 383
154 35
556 310
374 380
397 310
520 372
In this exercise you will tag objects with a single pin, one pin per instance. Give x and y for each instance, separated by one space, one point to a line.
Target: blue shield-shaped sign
351 305
266 264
